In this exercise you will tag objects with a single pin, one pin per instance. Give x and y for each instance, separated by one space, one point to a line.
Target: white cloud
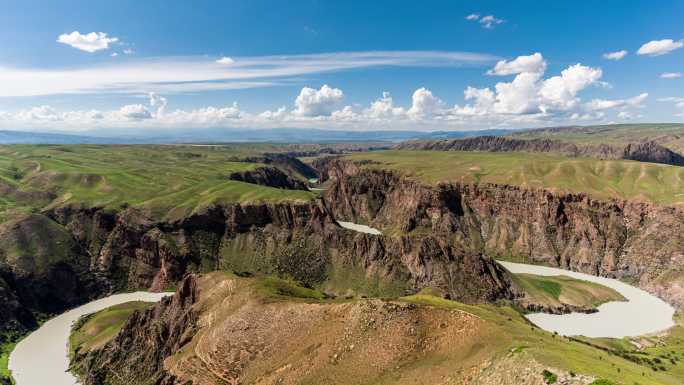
383 108
534 63
679 102
626 115
560 92
490 21
135 112
40 113
114 54
660 47
602 104
617 55
312 102
671 75
192 74
91 42
425 104
278 114
529 93
158 102
128 51
225 60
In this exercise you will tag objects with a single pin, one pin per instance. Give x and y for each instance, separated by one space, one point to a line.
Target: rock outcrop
136 355
624 239
269 176
642 152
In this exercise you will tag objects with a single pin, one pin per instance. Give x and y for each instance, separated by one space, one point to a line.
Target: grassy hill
420 339
161 179
668 135
555 291
599 178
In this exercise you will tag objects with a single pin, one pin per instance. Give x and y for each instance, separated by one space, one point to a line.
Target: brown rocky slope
220 329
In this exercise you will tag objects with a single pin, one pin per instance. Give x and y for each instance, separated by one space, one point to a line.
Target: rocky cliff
269 176
644 152
635 241
136 354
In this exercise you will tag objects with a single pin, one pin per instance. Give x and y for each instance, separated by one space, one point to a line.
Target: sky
146 66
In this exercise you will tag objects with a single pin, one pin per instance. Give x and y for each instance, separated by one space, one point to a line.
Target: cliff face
268 176
623 239
298 240
643 152
136 354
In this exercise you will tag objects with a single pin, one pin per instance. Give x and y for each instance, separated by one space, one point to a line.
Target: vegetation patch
94 330
556 291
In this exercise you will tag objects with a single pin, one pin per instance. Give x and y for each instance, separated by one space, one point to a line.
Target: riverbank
47 347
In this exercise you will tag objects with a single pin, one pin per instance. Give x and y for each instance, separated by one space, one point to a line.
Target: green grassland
168 181
668 135
600 179
512 334
558 290
95 330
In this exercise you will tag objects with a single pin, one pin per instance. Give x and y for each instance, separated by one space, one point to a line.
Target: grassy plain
670 135
600 179
164 180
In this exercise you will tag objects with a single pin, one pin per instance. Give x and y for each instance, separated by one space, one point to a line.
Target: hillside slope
220 329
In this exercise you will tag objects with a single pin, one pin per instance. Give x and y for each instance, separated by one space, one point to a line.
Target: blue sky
152 65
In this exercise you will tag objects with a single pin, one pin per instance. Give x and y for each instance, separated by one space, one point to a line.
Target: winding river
642 313
42 357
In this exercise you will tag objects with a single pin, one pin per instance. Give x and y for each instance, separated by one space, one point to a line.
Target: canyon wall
638 242
643 152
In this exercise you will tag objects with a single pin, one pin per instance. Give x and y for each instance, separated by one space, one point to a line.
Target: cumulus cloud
488 21
135 112
626 115
425 104
158 102
660 47
383 108
670 75
534 63
530 98
617 55
560 92
225 60
312 102
529 93
90 42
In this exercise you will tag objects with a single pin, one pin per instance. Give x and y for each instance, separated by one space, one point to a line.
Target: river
42 357
642 313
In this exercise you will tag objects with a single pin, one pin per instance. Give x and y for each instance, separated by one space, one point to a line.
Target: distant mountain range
278 135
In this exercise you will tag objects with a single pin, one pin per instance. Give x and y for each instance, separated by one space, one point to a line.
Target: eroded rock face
643 152
136 355
623 239
216 330
268 176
